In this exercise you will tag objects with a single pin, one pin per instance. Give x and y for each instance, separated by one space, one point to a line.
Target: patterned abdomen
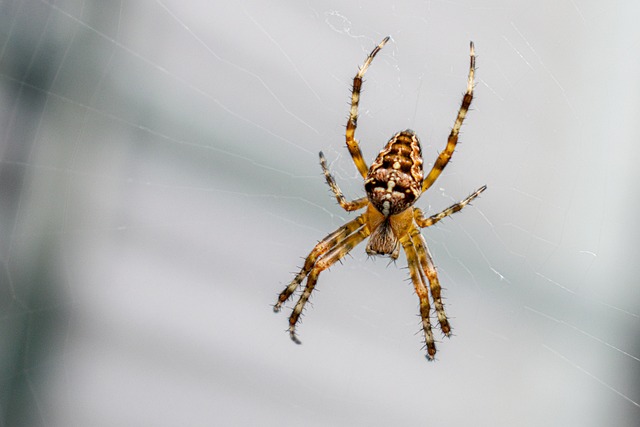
394 181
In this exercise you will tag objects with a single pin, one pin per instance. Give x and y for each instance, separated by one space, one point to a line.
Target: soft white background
159 185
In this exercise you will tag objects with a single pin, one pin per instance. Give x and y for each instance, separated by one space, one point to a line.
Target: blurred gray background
160 185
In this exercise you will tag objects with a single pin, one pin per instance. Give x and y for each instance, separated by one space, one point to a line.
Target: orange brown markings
394 180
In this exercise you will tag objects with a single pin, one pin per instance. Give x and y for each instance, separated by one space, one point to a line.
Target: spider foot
445 328
430 346
277 307
431 352
429 341
294 338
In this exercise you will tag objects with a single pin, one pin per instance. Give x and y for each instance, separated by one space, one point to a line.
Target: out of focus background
159 186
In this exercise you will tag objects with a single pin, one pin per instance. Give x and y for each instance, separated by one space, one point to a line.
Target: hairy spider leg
426 261
445 156
325 261
347 206
352 123
427 222
418 279
327 244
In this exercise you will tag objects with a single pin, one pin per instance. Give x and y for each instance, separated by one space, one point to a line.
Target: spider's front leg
324 262
419 282
323 247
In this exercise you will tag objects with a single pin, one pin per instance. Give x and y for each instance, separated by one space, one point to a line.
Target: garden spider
393 184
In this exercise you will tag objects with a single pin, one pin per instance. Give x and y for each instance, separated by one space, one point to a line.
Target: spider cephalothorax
393 184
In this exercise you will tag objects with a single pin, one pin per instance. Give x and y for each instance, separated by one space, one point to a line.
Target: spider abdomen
394 181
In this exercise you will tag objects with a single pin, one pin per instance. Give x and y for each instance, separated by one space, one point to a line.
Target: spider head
394 181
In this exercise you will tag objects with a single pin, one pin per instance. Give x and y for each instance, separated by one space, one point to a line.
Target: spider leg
325 245
347 206
325 261
432 275
352 144
418 279
427 222
445 156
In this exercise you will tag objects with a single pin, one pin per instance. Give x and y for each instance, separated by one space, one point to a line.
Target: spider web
160 181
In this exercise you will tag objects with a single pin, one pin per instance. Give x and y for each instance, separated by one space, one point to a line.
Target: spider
393 184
